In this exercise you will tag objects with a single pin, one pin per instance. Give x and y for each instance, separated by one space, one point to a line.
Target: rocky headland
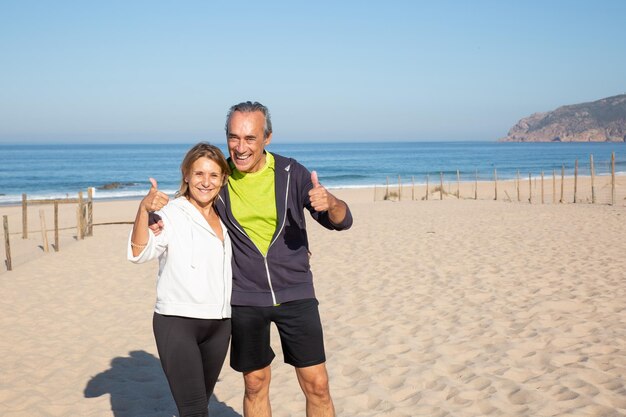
598 121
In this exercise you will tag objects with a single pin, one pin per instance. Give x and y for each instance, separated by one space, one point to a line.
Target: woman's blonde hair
201 150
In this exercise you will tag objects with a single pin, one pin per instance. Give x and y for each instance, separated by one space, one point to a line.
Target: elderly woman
192 314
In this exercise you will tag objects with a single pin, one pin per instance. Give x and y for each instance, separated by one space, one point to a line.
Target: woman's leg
176 339
213 351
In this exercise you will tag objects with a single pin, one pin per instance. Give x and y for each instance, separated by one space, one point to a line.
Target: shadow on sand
138 388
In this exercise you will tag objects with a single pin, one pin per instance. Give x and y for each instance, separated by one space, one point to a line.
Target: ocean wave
12 199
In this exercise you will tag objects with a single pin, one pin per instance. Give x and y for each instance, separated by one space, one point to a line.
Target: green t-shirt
253 203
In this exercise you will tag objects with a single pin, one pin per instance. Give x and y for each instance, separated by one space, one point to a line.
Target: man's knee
257 383
314 382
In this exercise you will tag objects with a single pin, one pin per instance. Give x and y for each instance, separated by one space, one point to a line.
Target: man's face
246 142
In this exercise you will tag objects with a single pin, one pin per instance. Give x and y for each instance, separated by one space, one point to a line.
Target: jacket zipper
267 267
224 280
269 278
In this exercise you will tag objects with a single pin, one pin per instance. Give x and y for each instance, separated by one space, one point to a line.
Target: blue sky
165 71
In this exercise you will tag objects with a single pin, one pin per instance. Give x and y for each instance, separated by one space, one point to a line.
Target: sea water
59 171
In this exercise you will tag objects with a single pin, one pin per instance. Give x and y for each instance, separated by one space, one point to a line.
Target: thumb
154 184
314 180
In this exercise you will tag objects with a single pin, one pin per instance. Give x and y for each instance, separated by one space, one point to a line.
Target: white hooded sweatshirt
195 274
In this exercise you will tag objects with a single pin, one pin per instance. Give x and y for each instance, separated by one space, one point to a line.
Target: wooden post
24 217
542 187
427 180
56 225
612 178
458 184
399 188
575 179
441 185
79 217
553 186
495 179
593 178
7 243
412 187
530 189
44 234
517 182
562 181
476 184
90 211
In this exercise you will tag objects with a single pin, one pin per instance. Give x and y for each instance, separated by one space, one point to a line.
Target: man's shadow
138 388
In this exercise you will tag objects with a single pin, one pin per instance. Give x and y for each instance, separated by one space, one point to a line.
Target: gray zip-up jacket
284 273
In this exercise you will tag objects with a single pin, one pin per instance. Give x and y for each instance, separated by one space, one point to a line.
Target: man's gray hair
250 107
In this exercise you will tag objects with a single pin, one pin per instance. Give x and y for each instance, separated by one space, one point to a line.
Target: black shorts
299 326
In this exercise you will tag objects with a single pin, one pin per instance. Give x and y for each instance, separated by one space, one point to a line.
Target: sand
450 307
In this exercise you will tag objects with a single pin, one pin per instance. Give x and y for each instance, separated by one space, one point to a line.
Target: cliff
598 121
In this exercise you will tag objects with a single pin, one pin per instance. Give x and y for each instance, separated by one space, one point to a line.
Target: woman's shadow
138 388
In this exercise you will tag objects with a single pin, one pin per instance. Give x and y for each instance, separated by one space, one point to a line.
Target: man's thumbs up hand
321 199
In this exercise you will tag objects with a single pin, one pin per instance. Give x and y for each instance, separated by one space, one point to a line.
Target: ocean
59 171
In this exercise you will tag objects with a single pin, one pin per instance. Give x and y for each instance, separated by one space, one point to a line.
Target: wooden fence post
530 189
562 181
612 178
593 178
44 234
7 243
90 211
412 187
476 184
399 188
495 179
427 181
440 185
24 217
458 184
56 225
575 179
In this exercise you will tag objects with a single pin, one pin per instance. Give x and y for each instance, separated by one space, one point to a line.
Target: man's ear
267 140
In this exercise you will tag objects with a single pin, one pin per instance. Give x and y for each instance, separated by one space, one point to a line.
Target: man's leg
314 383
256 400
302 339
251 354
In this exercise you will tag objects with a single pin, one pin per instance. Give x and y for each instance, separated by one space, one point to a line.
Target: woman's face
205 180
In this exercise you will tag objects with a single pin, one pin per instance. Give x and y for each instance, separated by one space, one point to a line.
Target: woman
192 314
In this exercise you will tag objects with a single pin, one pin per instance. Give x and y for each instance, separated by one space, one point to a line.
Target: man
262 206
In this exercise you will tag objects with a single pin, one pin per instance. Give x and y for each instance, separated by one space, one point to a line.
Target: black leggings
192 353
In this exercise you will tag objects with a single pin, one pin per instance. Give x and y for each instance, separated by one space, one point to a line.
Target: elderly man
263 208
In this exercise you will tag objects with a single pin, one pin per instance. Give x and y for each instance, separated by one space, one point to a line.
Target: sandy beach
452 307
